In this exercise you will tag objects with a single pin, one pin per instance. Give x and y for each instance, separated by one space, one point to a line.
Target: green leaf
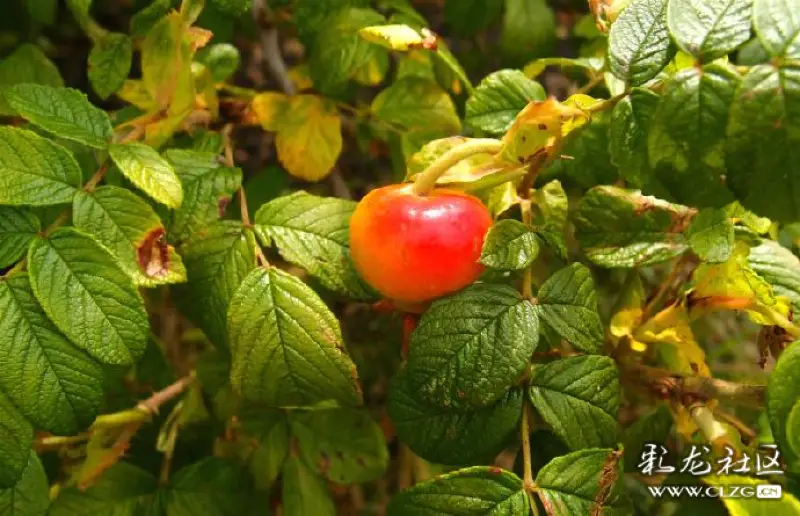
110 63
270 429
18 226
304 493
313 232
343 445
26 65
590 66
417 103
623 228
207 186
467 17
129 227
710 235
567 302
653 427
142 165
509 245
217 262
64 112
16 439
211 486
779 267
145 19
122 490
793 428
687 134
35 171
579 398
80 10
30 495
471 347
582 482
449 436
762 133
638 43
777 24
550 206
93 301
528 30
783 391
233 7
475 491
709 29
286 345
588 161
55 385
43 11
338 52
223 59
787 504
631 122
498 99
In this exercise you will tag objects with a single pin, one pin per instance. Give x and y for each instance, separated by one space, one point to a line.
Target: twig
682 387
93 181
154 402
527 481
270 46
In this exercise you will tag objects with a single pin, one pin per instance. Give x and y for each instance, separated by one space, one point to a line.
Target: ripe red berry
415 248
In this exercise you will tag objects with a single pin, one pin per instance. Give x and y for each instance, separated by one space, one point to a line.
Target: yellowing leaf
167 52
134 92
374 70
271 109
734 285
394 37
536 128
310 139
629 310
671 326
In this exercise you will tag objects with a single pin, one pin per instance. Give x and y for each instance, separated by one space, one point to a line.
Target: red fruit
415 248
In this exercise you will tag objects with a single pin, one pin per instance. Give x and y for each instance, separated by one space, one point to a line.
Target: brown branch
687 389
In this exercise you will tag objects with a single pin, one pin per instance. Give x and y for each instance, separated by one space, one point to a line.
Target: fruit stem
426 181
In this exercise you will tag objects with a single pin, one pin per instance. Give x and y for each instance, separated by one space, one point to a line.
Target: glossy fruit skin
415 248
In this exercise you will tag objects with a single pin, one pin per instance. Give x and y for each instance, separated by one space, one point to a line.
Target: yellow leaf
270 108
734 285
310 139
536 128
629 310
394 37
672 326
134 92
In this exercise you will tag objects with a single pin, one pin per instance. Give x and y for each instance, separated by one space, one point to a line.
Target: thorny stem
426 181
